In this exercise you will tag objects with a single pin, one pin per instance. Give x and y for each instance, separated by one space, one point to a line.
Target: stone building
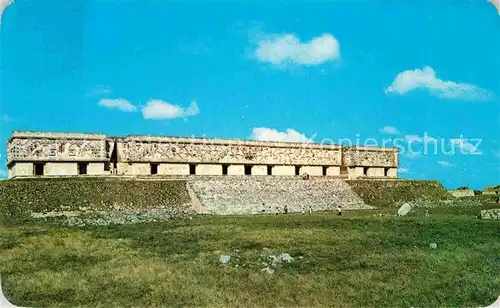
78 154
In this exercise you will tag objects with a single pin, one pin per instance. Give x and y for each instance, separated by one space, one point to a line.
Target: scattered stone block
224 259
404 209
284 257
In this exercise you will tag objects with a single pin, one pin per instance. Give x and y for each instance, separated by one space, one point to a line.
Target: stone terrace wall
388 193
267 194
21 197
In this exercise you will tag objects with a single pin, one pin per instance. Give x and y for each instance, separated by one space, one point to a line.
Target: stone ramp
268 194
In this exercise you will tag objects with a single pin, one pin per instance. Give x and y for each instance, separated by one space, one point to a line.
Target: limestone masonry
77 154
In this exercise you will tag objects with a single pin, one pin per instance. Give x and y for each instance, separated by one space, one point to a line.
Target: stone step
270 194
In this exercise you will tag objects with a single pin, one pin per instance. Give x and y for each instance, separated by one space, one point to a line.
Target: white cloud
389 130
287 48
270 134
410 80
464 146
157 110
496 3
403 170
118 103
445 164
3 5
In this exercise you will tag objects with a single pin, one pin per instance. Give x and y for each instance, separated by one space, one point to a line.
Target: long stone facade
77 154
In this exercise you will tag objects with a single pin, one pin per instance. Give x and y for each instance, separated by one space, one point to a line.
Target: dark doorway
248 169
154 168
82 168
224 169
325 168
192 169
38 168
269 170
365 170
113 160
297 170
386 171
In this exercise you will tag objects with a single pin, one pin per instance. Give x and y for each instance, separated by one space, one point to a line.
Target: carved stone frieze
131 151
95 147
54 149
353 157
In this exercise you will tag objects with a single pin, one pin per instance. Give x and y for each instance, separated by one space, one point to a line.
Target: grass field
358 259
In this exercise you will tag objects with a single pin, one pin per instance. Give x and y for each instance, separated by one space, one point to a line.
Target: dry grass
355 260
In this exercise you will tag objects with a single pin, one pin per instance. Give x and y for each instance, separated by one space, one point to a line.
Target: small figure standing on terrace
339 210
310 210
426 213
285 209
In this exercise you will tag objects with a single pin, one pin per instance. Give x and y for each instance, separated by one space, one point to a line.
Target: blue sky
424 72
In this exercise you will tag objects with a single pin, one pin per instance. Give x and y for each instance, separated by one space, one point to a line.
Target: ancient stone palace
80 154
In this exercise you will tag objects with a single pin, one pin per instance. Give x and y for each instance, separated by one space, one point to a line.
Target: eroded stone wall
173 169
61 168
375 172
21 169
